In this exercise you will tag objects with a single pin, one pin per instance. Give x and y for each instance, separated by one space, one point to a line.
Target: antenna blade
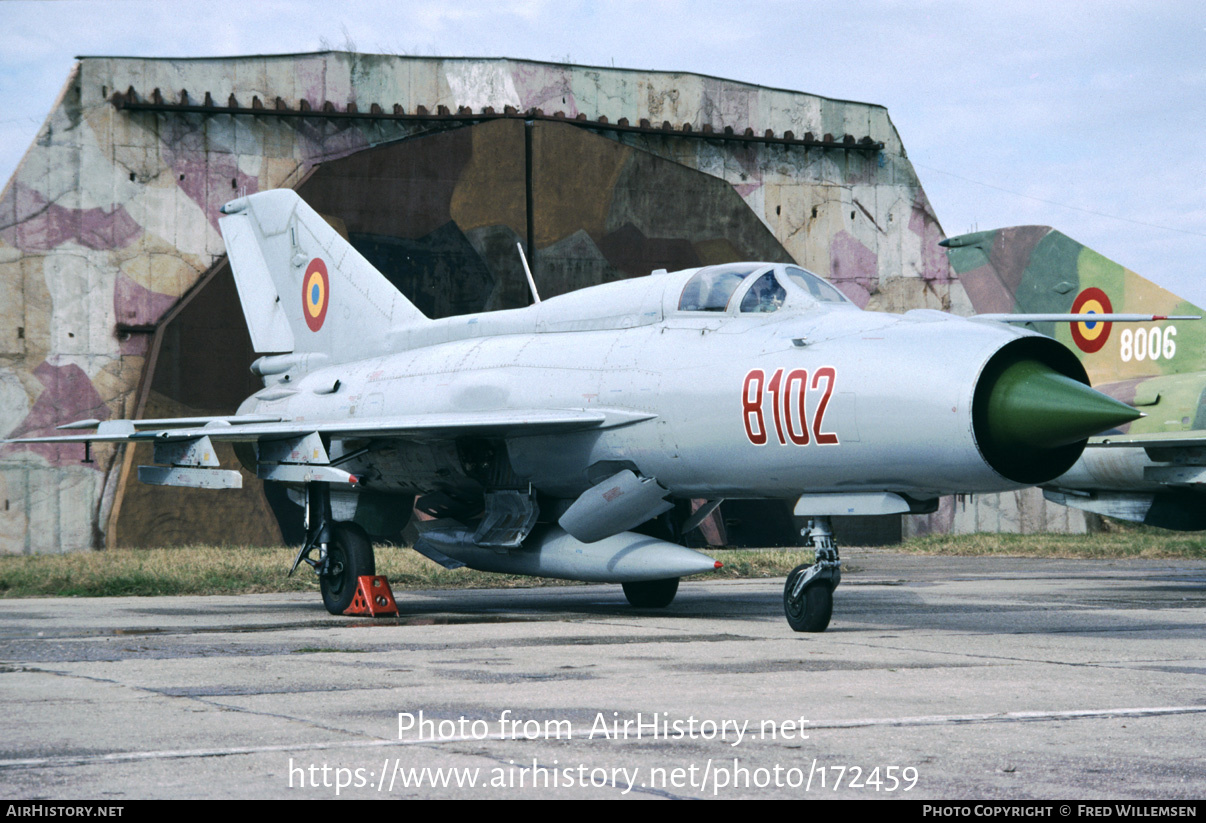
531 283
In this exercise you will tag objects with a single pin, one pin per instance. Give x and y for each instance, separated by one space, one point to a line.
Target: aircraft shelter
119 303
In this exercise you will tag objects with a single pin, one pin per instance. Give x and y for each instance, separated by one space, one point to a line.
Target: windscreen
711 287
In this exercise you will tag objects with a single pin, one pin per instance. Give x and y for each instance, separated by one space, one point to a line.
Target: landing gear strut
345 552
808 593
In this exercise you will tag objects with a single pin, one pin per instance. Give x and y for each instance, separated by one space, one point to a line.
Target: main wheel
349 555
651 594
811 612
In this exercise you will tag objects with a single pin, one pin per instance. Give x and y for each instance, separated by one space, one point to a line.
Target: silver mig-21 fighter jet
538 439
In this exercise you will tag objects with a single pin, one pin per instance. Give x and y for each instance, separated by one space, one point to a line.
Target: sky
1089 117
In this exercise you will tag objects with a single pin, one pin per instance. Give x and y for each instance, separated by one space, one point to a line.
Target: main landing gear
345 552
808 593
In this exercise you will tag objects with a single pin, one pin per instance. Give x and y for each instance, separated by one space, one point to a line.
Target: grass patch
184 570
208 570
1119 540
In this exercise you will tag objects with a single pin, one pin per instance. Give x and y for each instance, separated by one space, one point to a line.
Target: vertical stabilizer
303 287
1036 269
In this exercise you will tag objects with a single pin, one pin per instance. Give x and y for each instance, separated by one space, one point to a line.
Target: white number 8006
1148 344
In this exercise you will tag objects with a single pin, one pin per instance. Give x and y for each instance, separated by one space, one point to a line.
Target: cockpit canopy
755 287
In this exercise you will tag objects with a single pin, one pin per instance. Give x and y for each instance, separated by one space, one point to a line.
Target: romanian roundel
316 294
1090 337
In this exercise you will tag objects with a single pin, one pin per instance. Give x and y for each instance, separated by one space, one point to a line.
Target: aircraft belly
413 468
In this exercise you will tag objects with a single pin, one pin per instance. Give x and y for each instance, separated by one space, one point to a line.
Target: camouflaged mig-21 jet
540 439
1152 470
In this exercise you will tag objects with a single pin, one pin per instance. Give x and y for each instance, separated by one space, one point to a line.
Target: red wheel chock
373 597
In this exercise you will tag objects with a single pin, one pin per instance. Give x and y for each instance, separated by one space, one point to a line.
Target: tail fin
1036 269
304 289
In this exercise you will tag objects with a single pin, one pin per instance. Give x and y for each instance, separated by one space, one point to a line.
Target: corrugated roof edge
487 59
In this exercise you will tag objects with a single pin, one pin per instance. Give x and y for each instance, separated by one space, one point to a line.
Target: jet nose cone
1033 406
1031 420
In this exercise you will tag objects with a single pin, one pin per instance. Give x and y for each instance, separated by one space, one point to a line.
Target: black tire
349 555
651 594
814 608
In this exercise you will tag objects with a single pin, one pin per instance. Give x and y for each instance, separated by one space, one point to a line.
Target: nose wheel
808 592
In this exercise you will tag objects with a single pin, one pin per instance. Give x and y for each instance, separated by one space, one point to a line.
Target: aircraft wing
1180 459
293 451
1152 440
412 427
1113 317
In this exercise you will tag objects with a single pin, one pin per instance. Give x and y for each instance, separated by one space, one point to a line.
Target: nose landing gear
808 593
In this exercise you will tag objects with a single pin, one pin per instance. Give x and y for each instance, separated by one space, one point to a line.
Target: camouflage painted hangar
119 303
